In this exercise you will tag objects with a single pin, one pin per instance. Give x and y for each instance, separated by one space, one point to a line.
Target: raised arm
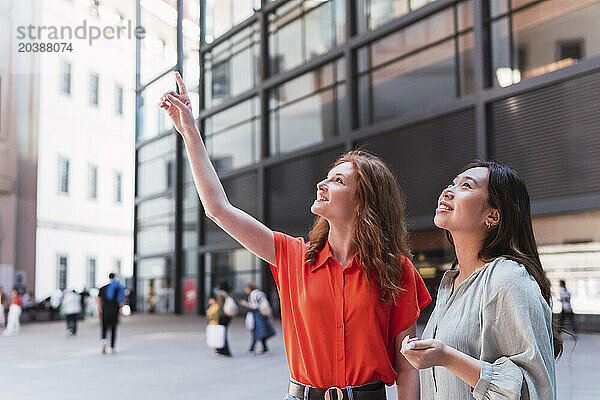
248 231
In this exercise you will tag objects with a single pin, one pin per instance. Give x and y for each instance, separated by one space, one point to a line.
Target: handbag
215 336
230 308
265 308
249 322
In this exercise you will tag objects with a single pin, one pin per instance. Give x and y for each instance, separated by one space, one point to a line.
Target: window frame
119 99
92 192
91 283
60 272
64 161
118 187
66 78
94 98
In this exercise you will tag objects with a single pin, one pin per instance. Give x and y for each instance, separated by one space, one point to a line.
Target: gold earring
488 223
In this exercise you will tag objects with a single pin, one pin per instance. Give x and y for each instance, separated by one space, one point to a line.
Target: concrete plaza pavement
165 357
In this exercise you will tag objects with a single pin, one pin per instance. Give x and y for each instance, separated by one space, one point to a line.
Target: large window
63 175
155 167
158 50
233 136
423 65
531 38
232 67
156 235
155 214
155 285
374 13
221 15
237 267
154 120
299 31
307 109
61 272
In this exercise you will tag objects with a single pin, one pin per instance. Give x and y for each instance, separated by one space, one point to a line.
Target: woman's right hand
179 107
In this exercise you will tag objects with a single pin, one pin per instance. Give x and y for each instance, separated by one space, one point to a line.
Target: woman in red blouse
348 296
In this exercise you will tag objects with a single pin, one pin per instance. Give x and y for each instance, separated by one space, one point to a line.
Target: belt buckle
339 395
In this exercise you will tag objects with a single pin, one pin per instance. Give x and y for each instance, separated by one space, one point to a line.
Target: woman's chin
315 210
439 222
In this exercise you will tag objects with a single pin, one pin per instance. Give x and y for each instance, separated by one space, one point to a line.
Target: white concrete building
85 129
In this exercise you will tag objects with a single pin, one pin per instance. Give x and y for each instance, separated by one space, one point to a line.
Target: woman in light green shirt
491 334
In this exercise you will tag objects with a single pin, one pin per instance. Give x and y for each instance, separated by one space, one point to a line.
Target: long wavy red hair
380 233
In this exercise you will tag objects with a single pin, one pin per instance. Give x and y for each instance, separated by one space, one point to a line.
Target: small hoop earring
489 225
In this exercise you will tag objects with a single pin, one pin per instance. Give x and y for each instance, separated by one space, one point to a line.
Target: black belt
368 391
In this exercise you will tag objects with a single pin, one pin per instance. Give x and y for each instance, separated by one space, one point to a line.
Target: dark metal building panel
426 156
551 137
291 190
242 192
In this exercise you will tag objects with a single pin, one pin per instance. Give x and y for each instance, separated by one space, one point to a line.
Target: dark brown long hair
513 237
380 233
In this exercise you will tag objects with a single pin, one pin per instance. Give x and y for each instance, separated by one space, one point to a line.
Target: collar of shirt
326 254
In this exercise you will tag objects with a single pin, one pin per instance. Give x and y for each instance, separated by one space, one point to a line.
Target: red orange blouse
337 332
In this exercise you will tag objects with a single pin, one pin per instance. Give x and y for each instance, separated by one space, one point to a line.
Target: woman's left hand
424 353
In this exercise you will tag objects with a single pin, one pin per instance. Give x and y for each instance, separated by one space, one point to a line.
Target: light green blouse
497 315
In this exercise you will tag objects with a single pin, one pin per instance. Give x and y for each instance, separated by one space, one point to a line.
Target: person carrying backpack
110 301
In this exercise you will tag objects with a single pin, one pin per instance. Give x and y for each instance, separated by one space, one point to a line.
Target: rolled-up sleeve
517 355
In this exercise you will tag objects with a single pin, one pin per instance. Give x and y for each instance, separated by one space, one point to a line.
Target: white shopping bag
215 336
249 322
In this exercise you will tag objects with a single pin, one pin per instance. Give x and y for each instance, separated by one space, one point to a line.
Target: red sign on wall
189 295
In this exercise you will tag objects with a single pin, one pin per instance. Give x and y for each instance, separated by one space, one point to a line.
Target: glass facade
232 67
282 87
302 30
232 137
373 13
306 110
398 73
221 15
532 38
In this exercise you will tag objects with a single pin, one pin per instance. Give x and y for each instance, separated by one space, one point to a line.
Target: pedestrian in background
72 308
83 296
566 312
215 333
261 311
222 297
109 301
13 324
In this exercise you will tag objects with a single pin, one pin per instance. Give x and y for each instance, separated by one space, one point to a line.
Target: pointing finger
180 83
